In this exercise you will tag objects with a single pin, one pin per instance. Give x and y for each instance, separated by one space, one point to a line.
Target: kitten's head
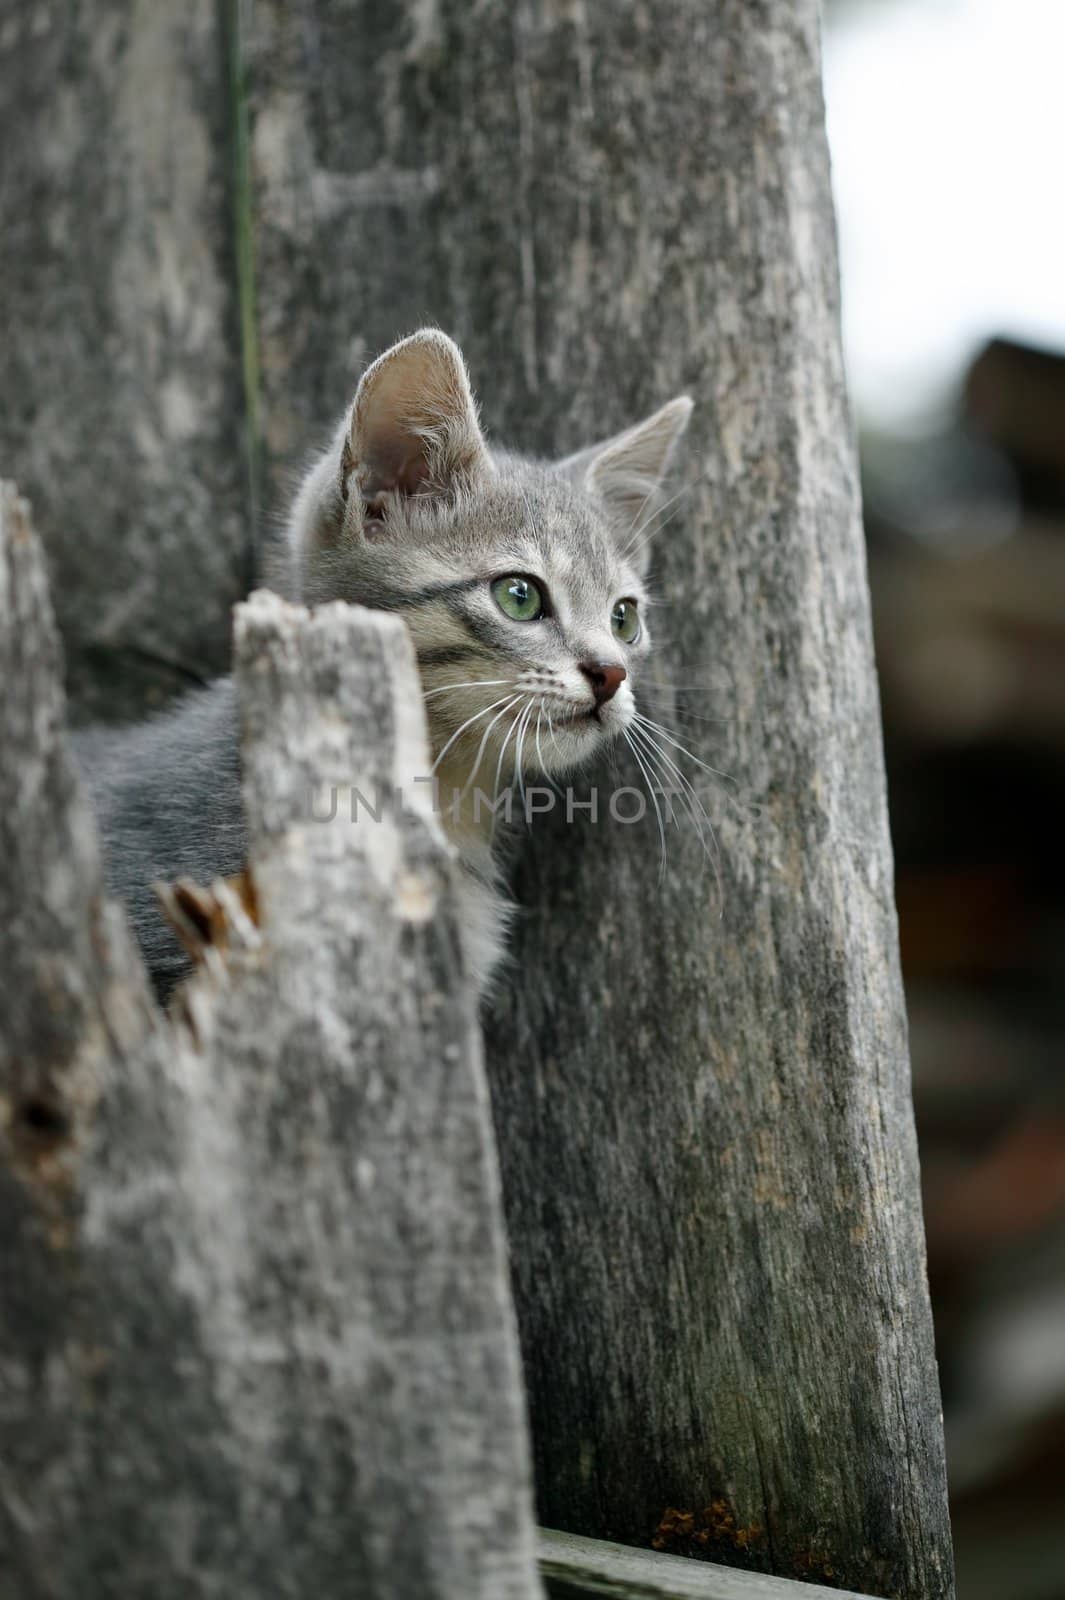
522 582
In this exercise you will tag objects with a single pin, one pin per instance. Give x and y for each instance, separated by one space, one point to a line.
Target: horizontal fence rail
572 1567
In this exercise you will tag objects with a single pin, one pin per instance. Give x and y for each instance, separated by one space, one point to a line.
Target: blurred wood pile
969 609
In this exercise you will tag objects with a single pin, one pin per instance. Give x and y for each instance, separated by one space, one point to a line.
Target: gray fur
410 511
167 797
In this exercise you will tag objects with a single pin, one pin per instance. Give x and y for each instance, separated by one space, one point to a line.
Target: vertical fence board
122 409
702 1094
377 1157
255 1331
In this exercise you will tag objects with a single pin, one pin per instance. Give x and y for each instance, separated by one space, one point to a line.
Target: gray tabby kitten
522 583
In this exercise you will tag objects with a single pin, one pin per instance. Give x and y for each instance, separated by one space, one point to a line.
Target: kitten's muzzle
605 677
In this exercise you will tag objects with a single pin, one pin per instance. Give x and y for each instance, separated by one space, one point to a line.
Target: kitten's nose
605 679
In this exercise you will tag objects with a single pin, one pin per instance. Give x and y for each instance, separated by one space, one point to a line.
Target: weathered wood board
701 1086
122 413
255 1331
573 1567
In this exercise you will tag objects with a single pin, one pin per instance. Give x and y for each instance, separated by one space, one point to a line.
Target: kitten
522 583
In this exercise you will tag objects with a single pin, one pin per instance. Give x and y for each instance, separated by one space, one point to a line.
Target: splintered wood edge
210 917
573 1566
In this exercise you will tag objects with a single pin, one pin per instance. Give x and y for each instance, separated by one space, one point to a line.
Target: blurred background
947 130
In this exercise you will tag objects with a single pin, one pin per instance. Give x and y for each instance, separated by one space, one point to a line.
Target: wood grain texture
122 412
573 1567
702 1094
255 1332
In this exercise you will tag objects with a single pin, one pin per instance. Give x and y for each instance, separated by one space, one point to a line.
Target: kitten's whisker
637 521
698 716
655 727
467 786
641 521
693 800
669 769
738 806
658 761
657 511
474 683
632 545
660 691
661 686
654 801
541 712
653 532
461 730
499 771
527 504
499 764
519 745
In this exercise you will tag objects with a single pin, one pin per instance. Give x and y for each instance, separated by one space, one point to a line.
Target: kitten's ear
627 471
414 427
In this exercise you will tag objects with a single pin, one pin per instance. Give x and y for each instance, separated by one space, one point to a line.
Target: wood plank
122 413
572 1567
701 1083
255 1332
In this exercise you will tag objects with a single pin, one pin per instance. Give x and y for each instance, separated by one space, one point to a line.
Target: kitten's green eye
625 621
518 598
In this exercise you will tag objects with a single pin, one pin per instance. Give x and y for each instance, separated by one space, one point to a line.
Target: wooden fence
255 1327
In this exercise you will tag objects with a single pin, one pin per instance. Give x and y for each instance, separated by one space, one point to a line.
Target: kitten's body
167 797
410 511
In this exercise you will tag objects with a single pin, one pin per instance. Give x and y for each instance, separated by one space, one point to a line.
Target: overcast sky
947 128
